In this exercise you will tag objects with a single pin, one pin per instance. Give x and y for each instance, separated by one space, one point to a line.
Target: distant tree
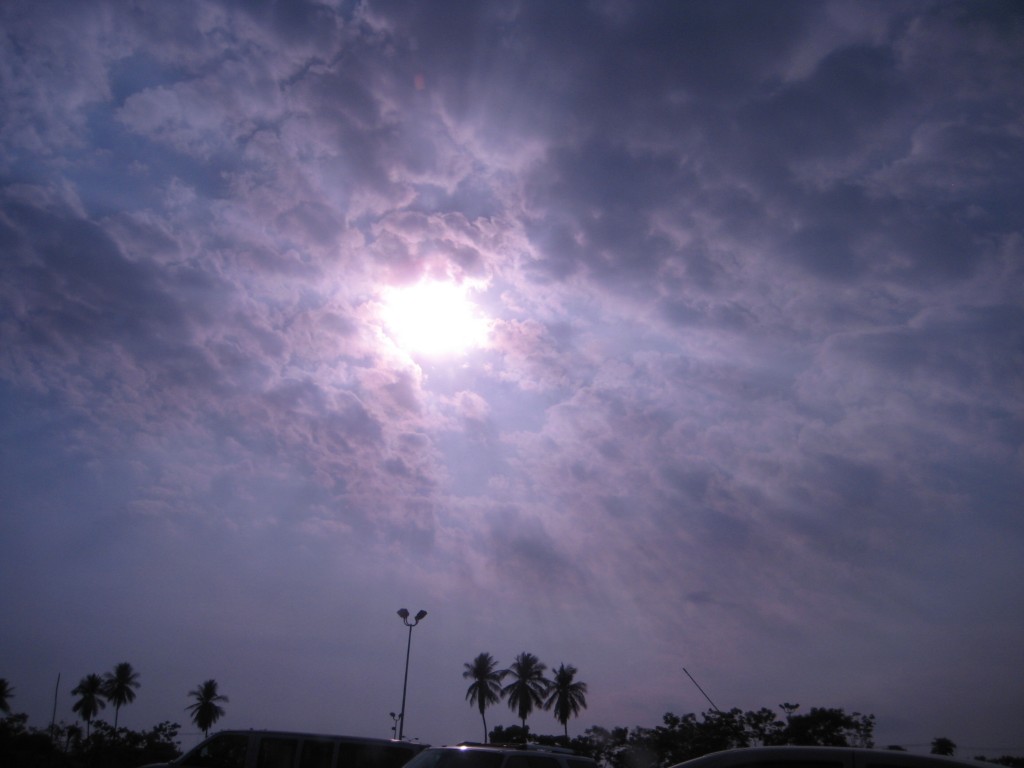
119 687
6 694
943 746
90 699
512 734
789 709
566 696
528 687
206 710
763 727
829 727
486 686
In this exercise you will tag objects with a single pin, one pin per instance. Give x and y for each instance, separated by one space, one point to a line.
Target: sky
637 336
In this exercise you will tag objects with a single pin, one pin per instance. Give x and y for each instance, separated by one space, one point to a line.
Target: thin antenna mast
53 720
702 691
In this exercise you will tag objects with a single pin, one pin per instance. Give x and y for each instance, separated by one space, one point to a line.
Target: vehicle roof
308 735
745 755
505 747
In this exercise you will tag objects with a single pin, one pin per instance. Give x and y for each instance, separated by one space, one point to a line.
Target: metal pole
405 682
702 691
403 614
53 720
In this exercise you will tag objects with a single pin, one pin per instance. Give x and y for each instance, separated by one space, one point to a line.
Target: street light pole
404 614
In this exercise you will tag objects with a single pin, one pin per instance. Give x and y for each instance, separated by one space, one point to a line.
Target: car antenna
702 691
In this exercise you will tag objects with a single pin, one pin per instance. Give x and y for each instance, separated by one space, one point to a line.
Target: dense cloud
751 401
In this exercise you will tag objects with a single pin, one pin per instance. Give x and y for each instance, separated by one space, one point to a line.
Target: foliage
119 687
90 699
63 746
943 746
511 734
486 686
121 748
829 727
6 694
206 710
566 696
526 691
684 737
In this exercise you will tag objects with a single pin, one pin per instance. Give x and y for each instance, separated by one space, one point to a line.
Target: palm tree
567 697
486 686
6 693
119 687
206 711
90 699
527 690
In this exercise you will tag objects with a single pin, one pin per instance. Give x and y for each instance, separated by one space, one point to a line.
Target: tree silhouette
565 696
6 693
119 687
528 687
90 699
206 711
943 746
486 686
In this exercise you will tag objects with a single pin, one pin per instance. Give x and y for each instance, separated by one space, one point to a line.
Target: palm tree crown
6 693
567 697
119 687
206 711
90 699
486 686
528 687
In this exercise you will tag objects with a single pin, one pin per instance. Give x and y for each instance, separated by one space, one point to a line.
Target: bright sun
433 318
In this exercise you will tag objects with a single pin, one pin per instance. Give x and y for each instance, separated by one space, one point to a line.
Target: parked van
284 749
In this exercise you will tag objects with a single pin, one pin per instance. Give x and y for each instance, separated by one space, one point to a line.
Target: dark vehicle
284 749
470 755
821 757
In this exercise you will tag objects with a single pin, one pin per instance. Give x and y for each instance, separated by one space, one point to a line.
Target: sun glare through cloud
434 319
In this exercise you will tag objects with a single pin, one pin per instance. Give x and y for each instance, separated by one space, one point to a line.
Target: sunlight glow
434 319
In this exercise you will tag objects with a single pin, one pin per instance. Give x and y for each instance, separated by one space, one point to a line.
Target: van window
276 752
316 754
226 750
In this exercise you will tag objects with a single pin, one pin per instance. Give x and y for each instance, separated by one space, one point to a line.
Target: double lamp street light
410 623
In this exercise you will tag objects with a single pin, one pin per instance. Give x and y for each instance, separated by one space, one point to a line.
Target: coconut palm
486 686
567 697
119 687
6 693
90 699
206 711
528 687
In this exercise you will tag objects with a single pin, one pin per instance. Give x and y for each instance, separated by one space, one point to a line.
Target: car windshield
455 758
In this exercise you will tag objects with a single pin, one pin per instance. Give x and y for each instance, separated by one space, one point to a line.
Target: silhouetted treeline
685 737
65 746
677 739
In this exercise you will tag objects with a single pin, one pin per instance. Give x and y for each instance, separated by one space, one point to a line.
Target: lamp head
420 615
403 613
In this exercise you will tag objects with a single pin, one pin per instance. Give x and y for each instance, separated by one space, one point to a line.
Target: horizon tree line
529 688
118 688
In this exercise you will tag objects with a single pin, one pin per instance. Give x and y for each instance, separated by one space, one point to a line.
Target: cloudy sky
636 336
